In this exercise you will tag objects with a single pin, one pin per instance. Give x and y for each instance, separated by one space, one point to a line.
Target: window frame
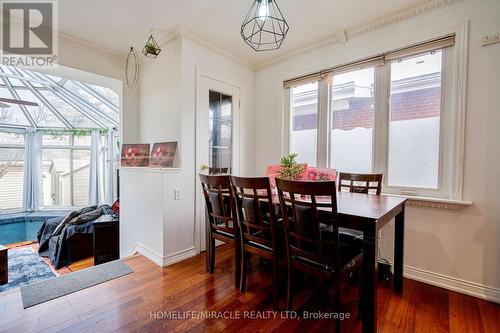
13 146
71 147
452 121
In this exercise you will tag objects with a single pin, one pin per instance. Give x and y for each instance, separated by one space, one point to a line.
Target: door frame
204 83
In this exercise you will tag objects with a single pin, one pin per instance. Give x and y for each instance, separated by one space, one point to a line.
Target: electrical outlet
490 39
177 194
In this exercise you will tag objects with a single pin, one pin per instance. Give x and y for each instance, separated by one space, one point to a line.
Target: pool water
22 227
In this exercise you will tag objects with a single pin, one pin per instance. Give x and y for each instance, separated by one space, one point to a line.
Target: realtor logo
28 33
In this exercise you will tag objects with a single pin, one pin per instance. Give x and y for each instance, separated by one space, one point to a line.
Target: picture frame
135 155
163 154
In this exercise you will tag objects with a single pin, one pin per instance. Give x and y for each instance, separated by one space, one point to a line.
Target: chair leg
289 293
275 284
244 264
237 267
360 297
212 255
337 302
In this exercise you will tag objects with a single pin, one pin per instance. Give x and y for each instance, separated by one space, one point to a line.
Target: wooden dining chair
357 183
221 215
257 224
360 183
312 245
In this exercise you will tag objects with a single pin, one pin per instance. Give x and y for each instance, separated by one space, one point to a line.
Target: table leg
369 279
208 242
399 251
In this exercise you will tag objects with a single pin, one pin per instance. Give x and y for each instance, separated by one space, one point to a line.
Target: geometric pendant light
264 27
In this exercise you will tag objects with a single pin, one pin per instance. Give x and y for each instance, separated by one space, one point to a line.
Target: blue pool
20 227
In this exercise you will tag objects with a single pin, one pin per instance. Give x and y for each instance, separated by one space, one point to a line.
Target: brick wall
423 103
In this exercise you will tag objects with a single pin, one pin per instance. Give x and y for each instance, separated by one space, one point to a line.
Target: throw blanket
55 234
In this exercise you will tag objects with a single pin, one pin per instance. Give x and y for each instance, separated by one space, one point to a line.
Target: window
65 169
400 113
11 170
414 128
304 133
353 119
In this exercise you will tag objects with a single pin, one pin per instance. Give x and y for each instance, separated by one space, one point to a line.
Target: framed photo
135 155
163 154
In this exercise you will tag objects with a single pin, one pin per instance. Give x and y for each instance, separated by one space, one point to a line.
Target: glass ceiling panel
12 115
41 114
75 106
91 100
107 93
75 117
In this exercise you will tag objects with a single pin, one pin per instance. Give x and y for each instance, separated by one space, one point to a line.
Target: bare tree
8 159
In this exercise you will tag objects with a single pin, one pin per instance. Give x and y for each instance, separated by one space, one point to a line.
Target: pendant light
264 27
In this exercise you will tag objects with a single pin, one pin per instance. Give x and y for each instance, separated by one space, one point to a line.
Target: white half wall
461 245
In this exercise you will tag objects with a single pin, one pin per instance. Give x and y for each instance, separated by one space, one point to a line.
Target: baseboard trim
451 283
148 253
179 256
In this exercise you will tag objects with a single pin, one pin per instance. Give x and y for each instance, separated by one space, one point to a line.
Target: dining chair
221 215
312 243
257 225
357 183
360 183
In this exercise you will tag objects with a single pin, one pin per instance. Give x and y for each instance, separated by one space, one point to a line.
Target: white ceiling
119 24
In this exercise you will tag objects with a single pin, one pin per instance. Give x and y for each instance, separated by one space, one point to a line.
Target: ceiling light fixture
264 27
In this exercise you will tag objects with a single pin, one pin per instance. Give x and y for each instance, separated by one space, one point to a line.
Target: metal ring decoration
132 57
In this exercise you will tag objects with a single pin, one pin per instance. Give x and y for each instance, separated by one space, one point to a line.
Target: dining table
369 213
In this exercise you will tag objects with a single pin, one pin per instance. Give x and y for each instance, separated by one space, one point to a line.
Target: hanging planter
151 49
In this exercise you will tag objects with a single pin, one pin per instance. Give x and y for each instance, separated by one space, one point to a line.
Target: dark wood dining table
370 213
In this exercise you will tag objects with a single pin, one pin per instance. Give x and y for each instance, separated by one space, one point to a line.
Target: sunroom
58 142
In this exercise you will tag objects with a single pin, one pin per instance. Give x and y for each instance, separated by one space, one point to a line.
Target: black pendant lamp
264 27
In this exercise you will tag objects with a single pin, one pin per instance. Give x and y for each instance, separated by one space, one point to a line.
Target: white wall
462 244
168 111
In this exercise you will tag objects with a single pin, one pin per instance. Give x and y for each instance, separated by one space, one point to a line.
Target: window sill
433 202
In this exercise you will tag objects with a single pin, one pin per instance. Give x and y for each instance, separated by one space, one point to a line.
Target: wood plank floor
140 301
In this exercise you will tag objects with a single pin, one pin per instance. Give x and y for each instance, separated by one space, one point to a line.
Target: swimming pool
20 227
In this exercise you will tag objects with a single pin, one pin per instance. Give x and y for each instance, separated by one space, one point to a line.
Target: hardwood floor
140 302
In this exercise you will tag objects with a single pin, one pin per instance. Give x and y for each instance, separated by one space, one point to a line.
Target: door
217 141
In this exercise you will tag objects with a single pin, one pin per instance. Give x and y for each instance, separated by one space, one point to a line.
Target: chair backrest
255 210
360 183
219 202
307 236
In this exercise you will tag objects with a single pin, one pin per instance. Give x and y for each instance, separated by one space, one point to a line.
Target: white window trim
452 130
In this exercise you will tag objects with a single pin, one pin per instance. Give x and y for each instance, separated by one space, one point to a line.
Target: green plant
290 169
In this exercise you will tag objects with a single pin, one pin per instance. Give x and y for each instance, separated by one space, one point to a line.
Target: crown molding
88 45
345 35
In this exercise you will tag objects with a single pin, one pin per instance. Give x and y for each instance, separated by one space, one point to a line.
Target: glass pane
92 100
107 93
304 113
41 114
56 177
353 118
12 138
11 178
415 121
220 146
81 162
73 116
82 140
59 140
11 113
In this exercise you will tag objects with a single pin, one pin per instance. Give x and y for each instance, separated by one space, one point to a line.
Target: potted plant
289 168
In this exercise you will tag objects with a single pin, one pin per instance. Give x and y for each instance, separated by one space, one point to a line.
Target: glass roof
62 103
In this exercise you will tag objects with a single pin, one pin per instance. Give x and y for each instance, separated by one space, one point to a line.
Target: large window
11 170
304 110
65 167
400 114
